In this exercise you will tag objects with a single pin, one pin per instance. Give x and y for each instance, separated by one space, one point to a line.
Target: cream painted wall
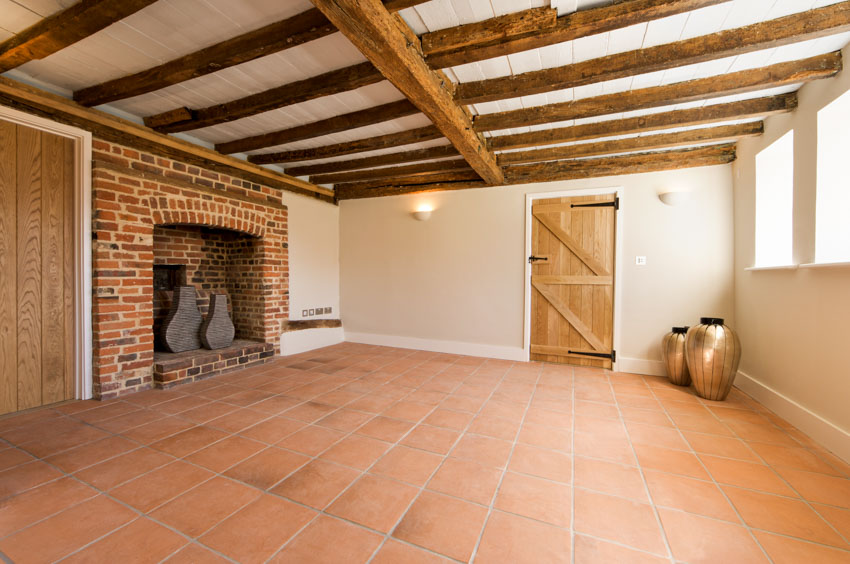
313 255
793 323
459 277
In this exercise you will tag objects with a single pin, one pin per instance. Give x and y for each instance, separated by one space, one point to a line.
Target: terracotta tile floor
357 453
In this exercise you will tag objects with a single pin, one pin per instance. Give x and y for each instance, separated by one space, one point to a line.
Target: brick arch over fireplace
133 193
224 215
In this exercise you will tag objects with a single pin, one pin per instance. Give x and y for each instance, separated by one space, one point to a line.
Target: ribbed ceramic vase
712 351
217 330
673 355
180 330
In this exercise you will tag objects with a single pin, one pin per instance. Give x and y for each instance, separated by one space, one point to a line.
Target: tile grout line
507 464
415 424
423 487
771 467
573 467
641 472
338 408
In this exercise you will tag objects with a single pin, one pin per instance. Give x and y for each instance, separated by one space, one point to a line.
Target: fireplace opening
213 261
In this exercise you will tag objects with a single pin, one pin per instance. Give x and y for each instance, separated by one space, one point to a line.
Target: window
832 227
775 202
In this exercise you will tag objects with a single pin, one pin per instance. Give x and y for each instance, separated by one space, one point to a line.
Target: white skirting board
827 434
294 342
640 366
433 345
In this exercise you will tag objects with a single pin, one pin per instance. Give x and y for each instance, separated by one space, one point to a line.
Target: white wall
456 282
313 255
793 323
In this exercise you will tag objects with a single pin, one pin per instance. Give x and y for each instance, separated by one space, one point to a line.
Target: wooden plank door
572 295
36 268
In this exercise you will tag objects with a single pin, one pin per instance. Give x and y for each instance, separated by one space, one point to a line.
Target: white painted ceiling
171 28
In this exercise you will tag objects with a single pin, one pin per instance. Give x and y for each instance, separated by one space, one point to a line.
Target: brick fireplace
195 226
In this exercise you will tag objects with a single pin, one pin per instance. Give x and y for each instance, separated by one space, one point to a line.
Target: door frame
618 262
82 251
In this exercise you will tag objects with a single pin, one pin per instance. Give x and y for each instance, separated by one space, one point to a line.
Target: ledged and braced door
572 280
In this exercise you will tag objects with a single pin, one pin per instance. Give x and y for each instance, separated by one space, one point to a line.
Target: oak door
37 179
572 280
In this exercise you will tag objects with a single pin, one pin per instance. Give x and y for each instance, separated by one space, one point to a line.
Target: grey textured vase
181 326
713 352
673 355
217 330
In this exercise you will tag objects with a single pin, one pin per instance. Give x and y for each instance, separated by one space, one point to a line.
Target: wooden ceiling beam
715 113
569 170
273 38
397 54
390 172
327 84
720 134
509 34
803 26
111 128
774 76
65 28
498 29
441 152
744 109
627 164
343 122
417 179
426 133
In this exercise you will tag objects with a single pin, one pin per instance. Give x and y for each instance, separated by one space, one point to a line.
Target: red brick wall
132 193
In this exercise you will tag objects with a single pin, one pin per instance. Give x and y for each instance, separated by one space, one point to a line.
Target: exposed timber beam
32 100
628 164
65 28
352 120
441 152
381 38
269 39
326 84
418 135
417 179
803 26
444 49
390 172
498 29
782 74
745 109
568 170
720 134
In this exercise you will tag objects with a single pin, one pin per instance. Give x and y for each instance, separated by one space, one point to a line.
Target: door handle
532 259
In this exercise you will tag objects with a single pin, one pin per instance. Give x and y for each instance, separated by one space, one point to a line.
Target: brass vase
673 355
712 351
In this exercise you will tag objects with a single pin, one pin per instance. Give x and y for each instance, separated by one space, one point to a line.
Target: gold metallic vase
712 351
673 355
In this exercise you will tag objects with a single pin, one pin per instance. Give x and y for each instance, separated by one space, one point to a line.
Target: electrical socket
312 312
303 313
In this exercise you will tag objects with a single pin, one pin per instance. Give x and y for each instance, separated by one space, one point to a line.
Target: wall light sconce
423 213
674 197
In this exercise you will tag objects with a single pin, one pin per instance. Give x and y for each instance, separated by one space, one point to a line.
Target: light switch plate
312 312
640 261
303 313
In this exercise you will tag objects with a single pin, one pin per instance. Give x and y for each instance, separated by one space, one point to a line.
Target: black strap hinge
612 355
614 204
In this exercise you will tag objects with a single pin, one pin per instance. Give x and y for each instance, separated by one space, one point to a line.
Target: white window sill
778 267
826 265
